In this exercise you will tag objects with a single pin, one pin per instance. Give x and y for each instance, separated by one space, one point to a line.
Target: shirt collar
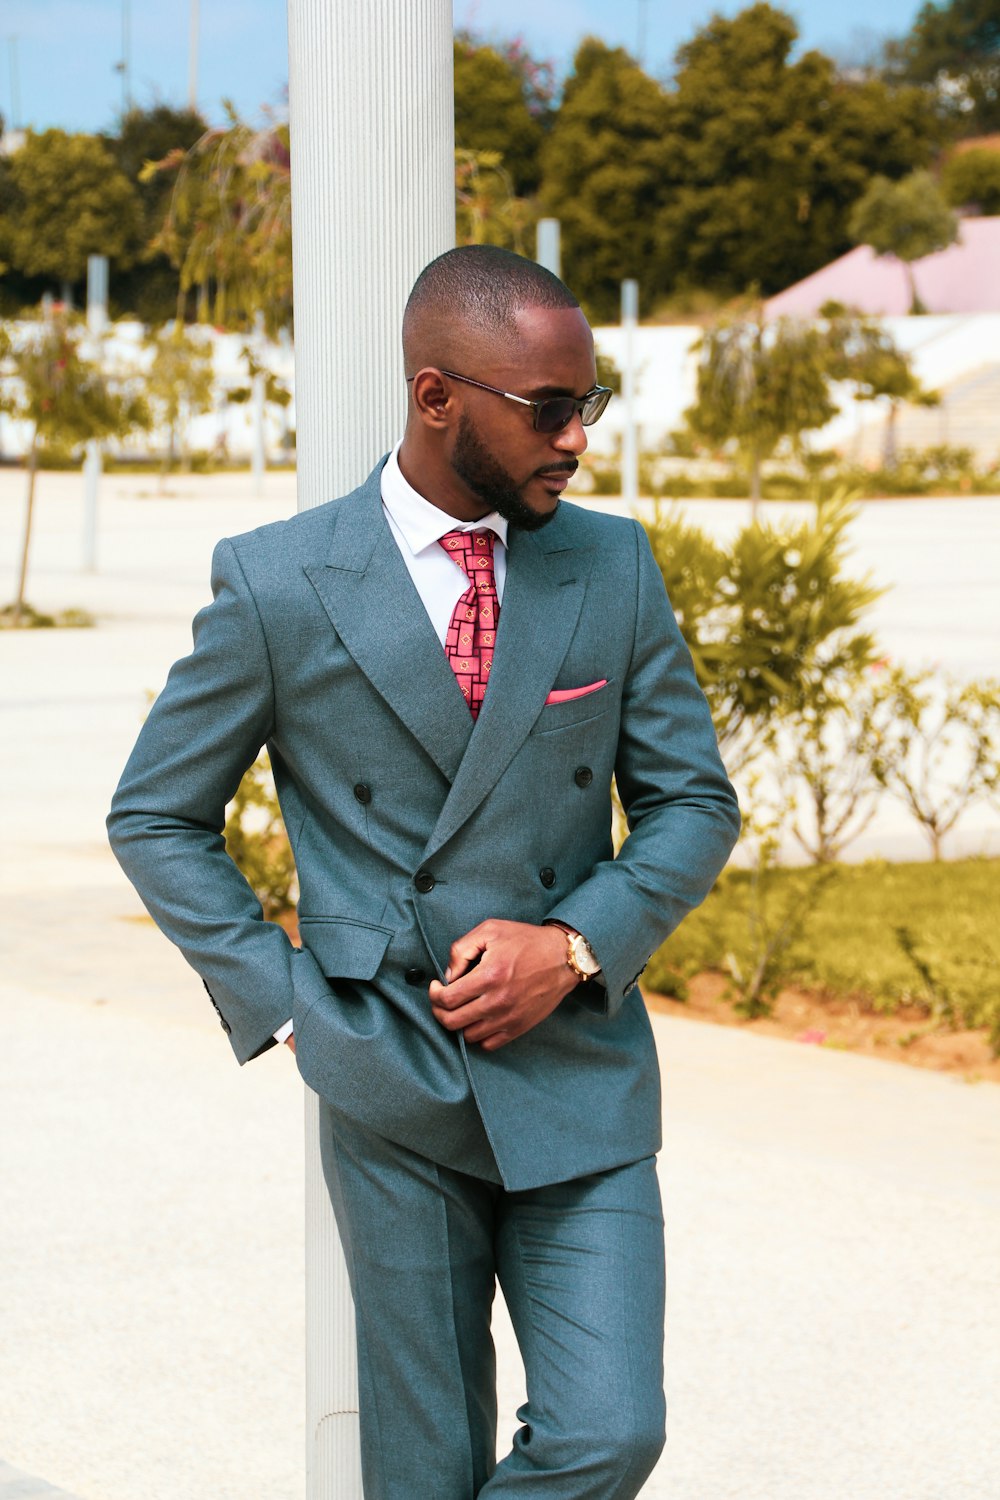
420 523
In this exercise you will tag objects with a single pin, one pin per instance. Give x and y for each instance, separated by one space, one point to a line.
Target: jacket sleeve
682 812
168 814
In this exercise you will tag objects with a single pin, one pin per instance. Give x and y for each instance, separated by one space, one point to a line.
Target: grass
885 934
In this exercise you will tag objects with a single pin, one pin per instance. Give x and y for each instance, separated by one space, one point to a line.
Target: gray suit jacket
409 824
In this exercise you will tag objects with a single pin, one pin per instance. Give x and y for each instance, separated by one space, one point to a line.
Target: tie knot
473 551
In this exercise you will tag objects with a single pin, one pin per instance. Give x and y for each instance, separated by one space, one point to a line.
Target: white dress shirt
417 527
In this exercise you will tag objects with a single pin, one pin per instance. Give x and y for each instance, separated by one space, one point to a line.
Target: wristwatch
579 954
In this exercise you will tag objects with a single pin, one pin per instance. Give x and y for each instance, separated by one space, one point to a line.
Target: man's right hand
290 1040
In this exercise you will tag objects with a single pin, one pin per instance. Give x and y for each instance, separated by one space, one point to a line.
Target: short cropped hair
480 288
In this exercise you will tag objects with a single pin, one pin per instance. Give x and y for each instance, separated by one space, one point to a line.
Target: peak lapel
370 597
542 598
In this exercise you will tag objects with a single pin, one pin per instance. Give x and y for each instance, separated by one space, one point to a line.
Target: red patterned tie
472 632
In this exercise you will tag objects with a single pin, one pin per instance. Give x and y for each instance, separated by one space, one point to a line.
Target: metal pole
15 83
372 136
630 443
97 320
547 248
193 58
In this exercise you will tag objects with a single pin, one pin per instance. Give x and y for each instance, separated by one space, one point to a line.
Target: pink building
965 278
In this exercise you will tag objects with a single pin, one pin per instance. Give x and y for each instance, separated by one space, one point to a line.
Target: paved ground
833 1222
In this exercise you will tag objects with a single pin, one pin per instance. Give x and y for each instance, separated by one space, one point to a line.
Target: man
447 667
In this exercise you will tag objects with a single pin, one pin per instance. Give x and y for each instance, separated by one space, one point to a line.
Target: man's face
496 454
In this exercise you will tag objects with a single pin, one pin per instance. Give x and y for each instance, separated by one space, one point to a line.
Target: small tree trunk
916 305
29 512
755 486
889 452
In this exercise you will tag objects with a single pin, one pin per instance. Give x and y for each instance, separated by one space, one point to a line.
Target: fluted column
372 131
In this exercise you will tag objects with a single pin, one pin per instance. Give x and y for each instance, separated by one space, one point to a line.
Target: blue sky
65 51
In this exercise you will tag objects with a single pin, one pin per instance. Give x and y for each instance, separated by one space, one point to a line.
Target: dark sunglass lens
594 407
555 414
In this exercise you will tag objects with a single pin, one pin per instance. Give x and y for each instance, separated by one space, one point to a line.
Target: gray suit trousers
581 1265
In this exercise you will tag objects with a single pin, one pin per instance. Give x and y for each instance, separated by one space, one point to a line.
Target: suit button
415 976
363 793
583 775
424 881
226 1026
547 876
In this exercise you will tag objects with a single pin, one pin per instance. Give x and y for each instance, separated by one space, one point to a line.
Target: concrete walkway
833 1222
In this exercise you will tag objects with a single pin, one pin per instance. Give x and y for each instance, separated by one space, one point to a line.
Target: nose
572 438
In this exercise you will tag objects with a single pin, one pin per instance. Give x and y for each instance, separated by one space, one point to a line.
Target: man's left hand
521 976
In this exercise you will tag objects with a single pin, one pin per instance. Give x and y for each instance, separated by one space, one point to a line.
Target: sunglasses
552 413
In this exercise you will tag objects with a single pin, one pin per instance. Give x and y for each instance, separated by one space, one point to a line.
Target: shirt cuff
283 1032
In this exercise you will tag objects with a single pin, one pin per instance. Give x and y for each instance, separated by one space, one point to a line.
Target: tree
603 168
768 620
179 384
228 227
971 179
150 288
829 748
492 112
954 48
862 352
908 219
764 154
68 401
938 751
487 211
68 199
759 383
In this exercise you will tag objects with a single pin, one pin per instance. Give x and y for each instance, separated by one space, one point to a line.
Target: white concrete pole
630 437
258 405
97 320
193 27
372 134
547 246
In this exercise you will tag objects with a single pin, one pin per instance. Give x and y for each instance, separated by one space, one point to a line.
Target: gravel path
833 1222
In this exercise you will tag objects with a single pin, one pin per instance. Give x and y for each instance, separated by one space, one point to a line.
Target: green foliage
759 383
492 112
972 179
67 199
954 47
908 219
228 227
767 620
150 288
764 154
604 164
938 747
67 399
179 383
487 210
829 743
852 943
862 352
256 840
776 917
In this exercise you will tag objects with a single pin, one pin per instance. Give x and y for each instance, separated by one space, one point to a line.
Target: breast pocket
595 705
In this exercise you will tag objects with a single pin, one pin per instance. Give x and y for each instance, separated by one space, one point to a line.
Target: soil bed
906 1036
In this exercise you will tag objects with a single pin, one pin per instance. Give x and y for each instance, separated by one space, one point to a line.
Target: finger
464 951
459 992
466 1015
497 1040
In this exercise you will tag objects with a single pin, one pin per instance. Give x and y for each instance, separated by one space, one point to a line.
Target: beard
491 482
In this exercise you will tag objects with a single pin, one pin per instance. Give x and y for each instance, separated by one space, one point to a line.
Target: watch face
584 955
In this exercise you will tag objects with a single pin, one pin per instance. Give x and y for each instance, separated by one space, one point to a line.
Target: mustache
569 467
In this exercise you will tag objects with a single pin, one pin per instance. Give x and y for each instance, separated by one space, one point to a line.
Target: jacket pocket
345 949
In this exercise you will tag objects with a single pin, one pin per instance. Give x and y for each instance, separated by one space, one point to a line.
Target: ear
433 400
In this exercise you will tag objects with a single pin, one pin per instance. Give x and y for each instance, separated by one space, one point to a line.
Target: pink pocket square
563 695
